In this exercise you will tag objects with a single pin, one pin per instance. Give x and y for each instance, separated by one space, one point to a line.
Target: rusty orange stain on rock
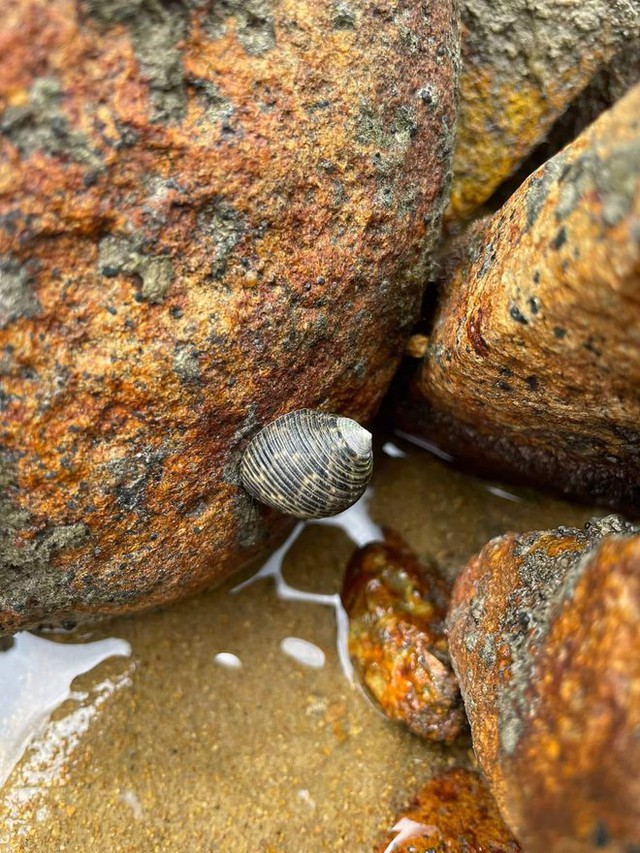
396 608
522 65
554 721
452 812
151 166
549 395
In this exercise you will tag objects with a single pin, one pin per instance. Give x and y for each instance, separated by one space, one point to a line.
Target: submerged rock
522 65
396 610
544 632
534 360
453 812
190 195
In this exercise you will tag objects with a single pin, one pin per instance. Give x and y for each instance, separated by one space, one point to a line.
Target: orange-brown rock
397 608
544 633
533 367
452 813
522 65
210 214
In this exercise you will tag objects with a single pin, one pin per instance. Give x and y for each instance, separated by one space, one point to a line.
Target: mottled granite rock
452 813
533 366
210 214
522 65
396 610
544 633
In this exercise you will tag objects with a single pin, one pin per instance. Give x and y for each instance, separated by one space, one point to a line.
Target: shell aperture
308 464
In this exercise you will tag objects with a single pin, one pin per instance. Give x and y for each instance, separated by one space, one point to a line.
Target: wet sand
180 753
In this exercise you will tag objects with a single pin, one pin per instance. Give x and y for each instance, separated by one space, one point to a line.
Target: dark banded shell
308 464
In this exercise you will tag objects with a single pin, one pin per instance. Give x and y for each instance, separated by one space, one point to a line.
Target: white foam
305 797
131 799
44 763
503 493
359 527
228 660
393 450
306 653
273 566
407 829
356 522
425 445
36 676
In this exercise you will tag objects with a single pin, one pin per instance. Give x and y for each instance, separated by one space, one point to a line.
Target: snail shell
308 464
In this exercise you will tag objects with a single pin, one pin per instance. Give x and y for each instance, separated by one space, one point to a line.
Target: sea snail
308 464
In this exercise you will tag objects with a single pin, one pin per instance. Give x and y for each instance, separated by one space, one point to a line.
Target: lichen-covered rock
533 365
544 632
452 813
522 65
210 214
396 610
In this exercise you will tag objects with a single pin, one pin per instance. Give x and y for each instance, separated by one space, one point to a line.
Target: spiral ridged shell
308 464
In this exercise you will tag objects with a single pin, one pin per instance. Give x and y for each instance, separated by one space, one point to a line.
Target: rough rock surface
544 632
522 65
534 360
191 194
396 610
452 813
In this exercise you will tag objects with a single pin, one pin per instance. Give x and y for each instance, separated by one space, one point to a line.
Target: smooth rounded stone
396 609
452 812
533 362
522 65
211 214
544 632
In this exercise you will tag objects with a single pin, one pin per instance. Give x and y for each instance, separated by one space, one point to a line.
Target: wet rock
544 632
396 610
451 813
190 194
522 65
534 358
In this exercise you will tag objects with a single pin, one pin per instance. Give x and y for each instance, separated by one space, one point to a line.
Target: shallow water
233 723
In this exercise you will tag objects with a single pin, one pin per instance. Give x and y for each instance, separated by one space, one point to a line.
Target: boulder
522 65
210 214
544 632
533 364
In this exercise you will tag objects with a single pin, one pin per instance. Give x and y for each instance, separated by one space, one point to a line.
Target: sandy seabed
218 734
